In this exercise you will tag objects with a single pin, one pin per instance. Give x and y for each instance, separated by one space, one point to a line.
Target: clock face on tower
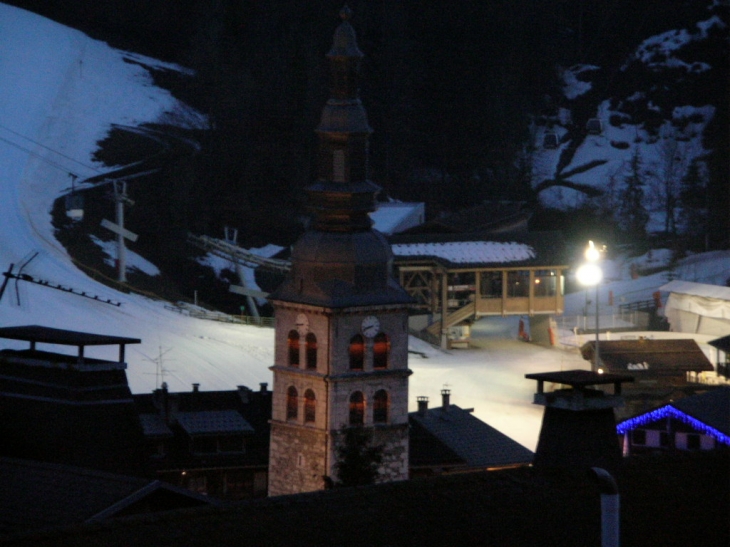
370 326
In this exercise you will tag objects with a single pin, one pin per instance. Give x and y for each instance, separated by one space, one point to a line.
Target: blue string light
670 412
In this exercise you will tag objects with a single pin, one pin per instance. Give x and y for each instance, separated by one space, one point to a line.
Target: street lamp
590 274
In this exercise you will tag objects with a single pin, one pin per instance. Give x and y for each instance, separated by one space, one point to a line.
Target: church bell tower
341 350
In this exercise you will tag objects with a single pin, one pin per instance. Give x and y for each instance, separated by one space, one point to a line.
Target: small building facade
696 422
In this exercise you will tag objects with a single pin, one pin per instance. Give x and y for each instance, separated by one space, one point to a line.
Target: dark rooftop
670 500
579 378
659 356
476 443
37 333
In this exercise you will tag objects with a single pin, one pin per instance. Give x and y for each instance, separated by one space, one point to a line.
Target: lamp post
588 274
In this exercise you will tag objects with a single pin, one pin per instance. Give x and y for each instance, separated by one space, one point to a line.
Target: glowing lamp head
592 254
589 274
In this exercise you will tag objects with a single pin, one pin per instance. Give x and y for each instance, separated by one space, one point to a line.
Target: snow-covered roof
697 289
394 217
468 252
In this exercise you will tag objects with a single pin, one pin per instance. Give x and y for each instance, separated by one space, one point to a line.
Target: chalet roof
458 250
476 443
38 495
153 425
213 422
711 408
723 344
38 333
646 356
579 378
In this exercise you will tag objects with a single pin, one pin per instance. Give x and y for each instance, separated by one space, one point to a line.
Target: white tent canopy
698 308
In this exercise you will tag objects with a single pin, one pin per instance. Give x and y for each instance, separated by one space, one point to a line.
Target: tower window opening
380 407
292 403
357 352
338 166
357 408
310 346
310 406
293 344
381 350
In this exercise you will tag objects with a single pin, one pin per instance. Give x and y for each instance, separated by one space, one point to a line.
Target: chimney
196 388
263 387
445 396
243 392
422 404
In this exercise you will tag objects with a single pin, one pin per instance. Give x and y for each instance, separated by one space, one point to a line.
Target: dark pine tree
632 214
357 459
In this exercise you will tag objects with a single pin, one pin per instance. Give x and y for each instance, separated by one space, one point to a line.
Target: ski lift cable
49 148
37 155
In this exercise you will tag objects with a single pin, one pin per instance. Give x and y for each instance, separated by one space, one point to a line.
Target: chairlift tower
121 199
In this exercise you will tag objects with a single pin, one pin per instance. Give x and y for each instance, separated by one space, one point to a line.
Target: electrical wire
48 148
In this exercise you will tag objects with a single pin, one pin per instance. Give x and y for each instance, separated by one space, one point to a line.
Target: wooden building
463 277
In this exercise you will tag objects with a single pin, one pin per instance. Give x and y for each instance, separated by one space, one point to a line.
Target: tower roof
341 261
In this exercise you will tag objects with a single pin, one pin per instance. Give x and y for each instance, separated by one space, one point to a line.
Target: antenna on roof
160 369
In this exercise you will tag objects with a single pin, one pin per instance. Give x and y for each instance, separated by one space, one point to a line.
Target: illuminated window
292 403
380 407
518 283
310 350
546 283
310 405
293 342
357 408
357 352
381 349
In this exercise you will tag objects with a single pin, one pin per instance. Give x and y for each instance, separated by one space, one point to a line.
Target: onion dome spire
343 196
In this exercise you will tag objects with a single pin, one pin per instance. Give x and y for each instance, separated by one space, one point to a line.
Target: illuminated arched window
357 352
380 407
293 343
381 350
310 406
310 351
292 403
357 408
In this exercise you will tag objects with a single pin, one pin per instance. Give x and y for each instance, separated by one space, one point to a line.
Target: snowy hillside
60 93
649 106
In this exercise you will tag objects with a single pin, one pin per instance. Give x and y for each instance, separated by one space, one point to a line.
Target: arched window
310 406
357 352
292 403
380 407
357 408
310 347
381 350
293 342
